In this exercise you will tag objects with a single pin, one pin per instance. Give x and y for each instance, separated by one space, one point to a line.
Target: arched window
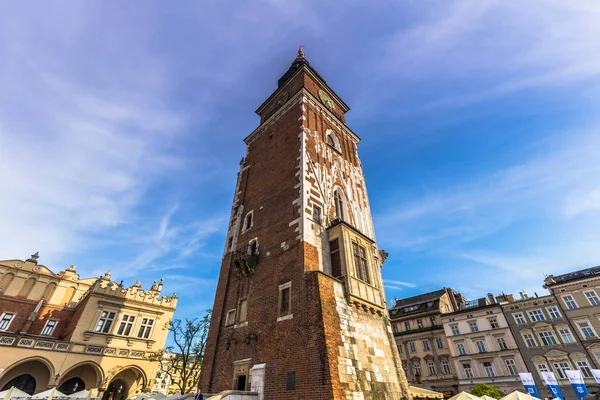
49 291
6 280
333 140
27 287
253 249
68 297
339 204
248 221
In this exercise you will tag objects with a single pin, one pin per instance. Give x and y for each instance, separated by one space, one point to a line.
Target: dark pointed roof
299 62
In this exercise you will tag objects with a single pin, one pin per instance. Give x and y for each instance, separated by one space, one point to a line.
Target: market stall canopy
13 393
465 396
422 393
484 397
516 395
49 394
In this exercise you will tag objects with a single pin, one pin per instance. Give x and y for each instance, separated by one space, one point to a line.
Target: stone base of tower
363 359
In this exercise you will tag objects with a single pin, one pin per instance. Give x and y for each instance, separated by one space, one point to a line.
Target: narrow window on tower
230 245
285 301
243 311
291 381
253 247
339 204
230 319
336 261
248 221
360 263
316 214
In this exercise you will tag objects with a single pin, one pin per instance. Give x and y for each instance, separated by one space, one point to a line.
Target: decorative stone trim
94 350
110 352
123 353
136 354
7 340
44 344
62 346
26 343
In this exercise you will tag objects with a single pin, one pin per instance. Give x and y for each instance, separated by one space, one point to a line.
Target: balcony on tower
245 259
355 261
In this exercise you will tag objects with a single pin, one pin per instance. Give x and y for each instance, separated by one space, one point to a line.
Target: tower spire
300 52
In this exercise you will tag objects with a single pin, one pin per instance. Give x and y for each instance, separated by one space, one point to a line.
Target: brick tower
300 310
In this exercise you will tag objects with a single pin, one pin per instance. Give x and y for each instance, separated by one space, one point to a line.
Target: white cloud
398 283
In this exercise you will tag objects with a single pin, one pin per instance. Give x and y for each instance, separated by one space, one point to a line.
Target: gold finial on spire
300 52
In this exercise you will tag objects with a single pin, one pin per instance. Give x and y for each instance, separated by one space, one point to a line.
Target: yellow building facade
58 330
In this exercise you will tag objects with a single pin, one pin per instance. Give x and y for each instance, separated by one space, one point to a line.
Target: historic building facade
482 345
60 330
547 341
421 340
300 310
578 297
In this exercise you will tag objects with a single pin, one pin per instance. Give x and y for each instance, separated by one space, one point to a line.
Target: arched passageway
31 376
86 375
125 384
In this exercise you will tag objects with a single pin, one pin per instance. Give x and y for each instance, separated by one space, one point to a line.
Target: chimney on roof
523 295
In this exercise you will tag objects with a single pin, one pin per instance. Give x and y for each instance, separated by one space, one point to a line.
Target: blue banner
552 384
577 382
529 384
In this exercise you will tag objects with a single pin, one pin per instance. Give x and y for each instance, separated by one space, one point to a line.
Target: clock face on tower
326 100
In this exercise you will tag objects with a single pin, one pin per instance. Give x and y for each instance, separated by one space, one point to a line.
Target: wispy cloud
398 283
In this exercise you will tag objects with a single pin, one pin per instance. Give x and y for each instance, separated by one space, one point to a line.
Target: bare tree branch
182 360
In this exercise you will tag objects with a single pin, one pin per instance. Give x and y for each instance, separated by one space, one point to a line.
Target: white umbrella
484 397
82 394
13 393
465 396
516 395
48 394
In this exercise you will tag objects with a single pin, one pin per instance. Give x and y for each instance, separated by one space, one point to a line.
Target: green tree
483 389
182 360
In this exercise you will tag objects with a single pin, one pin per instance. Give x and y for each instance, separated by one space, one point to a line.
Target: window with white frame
145 328
511 367
316 214
473 326
445 367
248 220
502 343
230 318
360 263
586 329
6 320
455 330
592 298
432 320
49 327
400 349
480 346
566 336
468 370
126 325
425 344
542 368
417 367
395 328
105 321
407 325
569 302
461 349
560 368
529 340
439 342
419 323
519 318
431 367
584 368
547 338
554 313
489 369
494 323
536 315
412 347
285 300
242 312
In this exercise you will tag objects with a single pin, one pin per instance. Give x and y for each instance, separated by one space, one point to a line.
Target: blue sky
121 128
